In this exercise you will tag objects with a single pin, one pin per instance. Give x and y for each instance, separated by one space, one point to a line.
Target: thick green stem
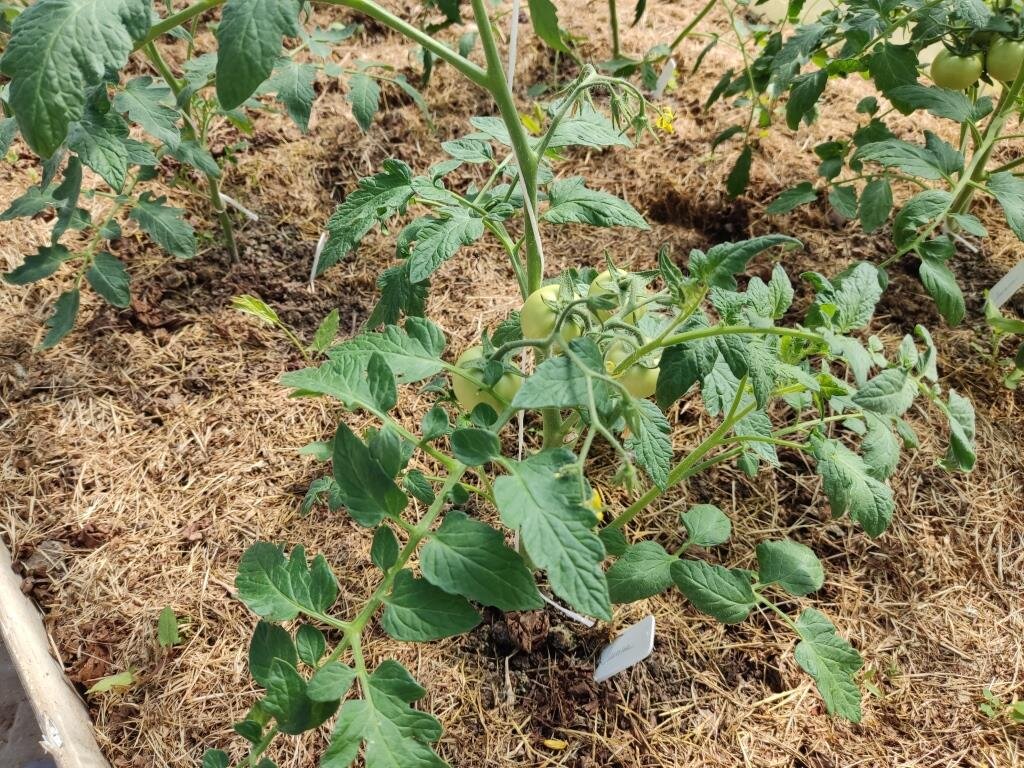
526 159
613 13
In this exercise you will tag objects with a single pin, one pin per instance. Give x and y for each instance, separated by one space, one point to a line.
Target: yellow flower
596 504
666 120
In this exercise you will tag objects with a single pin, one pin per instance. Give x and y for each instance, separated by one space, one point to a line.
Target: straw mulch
141 457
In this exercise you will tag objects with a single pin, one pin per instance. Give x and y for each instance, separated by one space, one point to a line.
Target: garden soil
145 453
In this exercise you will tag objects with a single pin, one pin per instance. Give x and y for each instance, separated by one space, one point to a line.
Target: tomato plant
794 62
69 98
448 496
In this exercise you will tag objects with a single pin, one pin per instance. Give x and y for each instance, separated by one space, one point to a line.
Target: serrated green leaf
474 447
417 611
396 736
570 202
287 701
875 204
279 588
715 590
216 758
469 558
292 81
913 159
43 263
384 549
880 447
439 238
331 682
1009 191
706 525
110 682
326 332
544 17
412 352
643 570
377 199
559 382
249 39
791 565
722 261
364 96
540 497
683 365
831 661
650 440
99 140
365 487
890 393
62 320
166 225
58 51
852 295
147 103
851 488
109 279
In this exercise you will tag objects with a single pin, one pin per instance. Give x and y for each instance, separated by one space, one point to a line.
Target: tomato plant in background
816 388
788 67
73 105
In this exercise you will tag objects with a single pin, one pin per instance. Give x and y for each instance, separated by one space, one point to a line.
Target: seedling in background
167 628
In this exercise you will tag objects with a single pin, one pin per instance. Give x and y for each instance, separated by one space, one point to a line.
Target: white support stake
1008 285
316 256
250 215
666 74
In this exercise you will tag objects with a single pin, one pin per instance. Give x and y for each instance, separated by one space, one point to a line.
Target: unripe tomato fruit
639 380
1004 59
605 285
467 393
957 73
537 319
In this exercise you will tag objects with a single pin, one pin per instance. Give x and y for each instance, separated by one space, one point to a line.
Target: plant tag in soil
630 647
1007 285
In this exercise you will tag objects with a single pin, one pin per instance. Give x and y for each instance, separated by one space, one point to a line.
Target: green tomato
638 379
605 285
470 396
537 317
1004 59
957 73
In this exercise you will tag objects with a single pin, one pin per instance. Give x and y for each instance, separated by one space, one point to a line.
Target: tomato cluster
538 317
957 72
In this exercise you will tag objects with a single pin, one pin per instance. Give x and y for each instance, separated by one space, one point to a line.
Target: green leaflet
890 393
109 279
559 382
418 611
1009 191
791 565
541 498
875 204
685 364
364 96
101 142
165 225
58 51
384 549
722 261
721 592
287 701
570 202
831 661
846 302
43 263
279 588
910 158
650 440
439 238
545 23
345 379
412 352
643 570
395 734
792 198
331 682
292 81
249 39
880 447
474 447
311 645
850 487
269 642
167 628
469 558
146 103
706 525
364 485
961 454
376 200
60 323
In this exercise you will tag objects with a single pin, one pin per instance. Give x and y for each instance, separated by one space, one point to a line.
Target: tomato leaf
418 611
643 570
831 661
249 39
791 565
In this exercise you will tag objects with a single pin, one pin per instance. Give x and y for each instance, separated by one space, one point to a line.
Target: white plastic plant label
632 646
1008 285
666 74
